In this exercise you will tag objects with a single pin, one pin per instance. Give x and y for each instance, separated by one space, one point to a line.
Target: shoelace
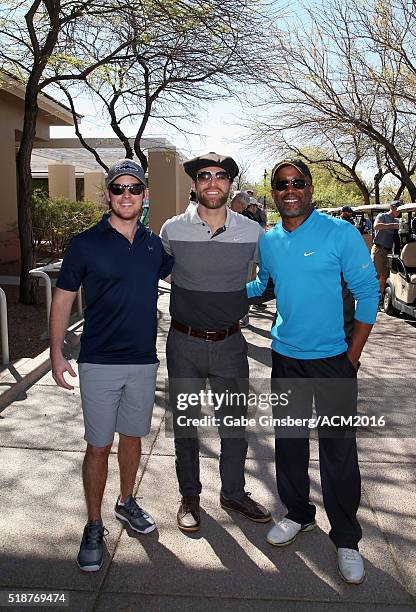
285 523
350 554
250 501
135 510
94 535
189 506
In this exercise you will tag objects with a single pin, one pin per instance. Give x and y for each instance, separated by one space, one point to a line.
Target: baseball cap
395 203
192 166
253 201
296 163
347 209
122 167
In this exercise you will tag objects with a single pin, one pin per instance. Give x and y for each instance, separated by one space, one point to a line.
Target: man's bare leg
94 474
382 281
129 453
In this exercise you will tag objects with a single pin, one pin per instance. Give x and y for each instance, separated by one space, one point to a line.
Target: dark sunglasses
297 183
119 188
204 177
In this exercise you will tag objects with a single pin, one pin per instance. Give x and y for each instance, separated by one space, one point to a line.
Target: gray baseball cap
122 167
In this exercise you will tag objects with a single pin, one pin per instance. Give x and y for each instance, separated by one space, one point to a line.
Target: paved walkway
227 565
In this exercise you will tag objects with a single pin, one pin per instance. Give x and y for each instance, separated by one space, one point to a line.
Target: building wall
168 187
9 245
11 125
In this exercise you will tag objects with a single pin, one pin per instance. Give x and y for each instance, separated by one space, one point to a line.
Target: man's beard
213 204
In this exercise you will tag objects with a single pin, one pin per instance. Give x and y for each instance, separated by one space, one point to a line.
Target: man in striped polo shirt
213 248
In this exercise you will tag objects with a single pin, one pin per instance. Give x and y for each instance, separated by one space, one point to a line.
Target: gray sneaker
131 513
90 556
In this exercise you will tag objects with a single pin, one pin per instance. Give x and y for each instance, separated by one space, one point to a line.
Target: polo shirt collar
104 224
195 219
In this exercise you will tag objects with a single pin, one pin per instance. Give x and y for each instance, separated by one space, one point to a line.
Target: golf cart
400 292
364 220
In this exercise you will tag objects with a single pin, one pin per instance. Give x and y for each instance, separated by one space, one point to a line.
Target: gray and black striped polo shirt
210 271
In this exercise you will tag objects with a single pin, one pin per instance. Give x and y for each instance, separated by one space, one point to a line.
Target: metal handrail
42 272
4 328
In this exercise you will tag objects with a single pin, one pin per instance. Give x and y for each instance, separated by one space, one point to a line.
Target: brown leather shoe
248 508
188 513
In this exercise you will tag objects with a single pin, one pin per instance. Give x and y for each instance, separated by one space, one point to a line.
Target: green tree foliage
328 191
56 221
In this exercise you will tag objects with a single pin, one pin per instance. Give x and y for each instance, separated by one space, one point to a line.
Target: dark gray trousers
191 361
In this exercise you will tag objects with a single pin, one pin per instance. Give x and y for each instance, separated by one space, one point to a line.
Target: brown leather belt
205 335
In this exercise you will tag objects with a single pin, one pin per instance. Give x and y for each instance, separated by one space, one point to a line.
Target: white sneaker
286 530
350 565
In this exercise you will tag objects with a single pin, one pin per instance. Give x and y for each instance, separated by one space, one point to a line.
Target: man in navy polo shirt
119 263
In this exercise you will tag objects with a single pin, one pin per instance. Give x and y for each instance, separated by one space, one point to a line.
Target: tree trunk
28 291
377 180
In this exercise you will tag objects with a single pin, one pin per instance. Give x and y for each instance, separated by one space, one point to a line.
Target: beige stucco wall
168 187
61 181
9 245
11 125
94 185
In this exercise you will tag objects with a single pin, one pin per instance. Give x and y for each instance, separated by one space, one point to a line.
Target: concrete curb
19 376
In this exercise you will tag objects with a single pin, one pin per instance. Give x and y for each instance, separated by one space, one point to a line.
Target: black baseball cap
296 163
396 203
193 166
122 167
347 209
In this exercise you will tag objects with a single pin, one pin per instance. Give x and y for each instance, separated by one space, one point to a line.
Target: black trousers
191 361
332 384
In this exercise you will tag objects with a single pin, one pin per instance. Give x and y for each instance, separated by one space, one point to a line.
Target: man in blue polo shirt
309 257
119 263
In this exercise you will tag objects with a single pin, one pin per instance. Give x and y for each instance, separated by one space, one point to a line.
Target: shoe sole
255 520
189 529
309 527
142 531
351 581
90 568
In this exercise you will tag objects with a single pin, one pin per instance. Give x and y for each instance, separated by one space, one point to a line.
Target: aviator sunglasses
119 188
204 177
297 183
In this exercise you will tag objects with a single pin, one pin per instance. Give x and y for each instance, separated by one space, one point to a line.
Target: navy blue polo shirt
120 282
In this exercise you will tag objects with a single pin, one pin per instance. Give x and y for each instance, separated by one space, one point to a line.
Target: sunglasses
204 177
297 183
119 188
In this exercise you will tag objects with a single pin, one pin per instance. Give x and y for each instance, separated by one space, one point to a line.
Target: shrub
56 221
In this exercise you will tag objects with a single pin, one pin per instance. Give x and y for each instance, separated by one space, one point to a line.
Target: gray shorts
116 398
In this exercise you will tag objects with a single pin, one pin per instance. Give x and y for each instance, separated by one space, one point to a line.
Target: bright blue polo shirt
120 282
306 267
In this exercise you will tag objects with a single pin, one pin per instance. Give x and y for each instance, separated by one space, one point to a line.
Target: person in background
347 214
385 226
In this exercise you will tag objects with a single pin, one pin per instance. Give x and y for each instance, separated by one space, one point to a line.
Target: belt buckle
207 333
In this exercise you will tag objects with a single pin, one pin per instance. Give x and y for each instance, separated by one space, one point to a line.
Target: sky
219 126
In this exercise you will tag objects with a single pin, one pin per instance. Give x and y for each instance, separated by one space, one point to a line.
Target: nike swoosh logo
307 254
365 266
236 239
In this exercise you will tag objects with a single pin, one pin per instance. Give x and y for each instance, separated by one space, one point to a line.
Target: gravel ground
26 325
